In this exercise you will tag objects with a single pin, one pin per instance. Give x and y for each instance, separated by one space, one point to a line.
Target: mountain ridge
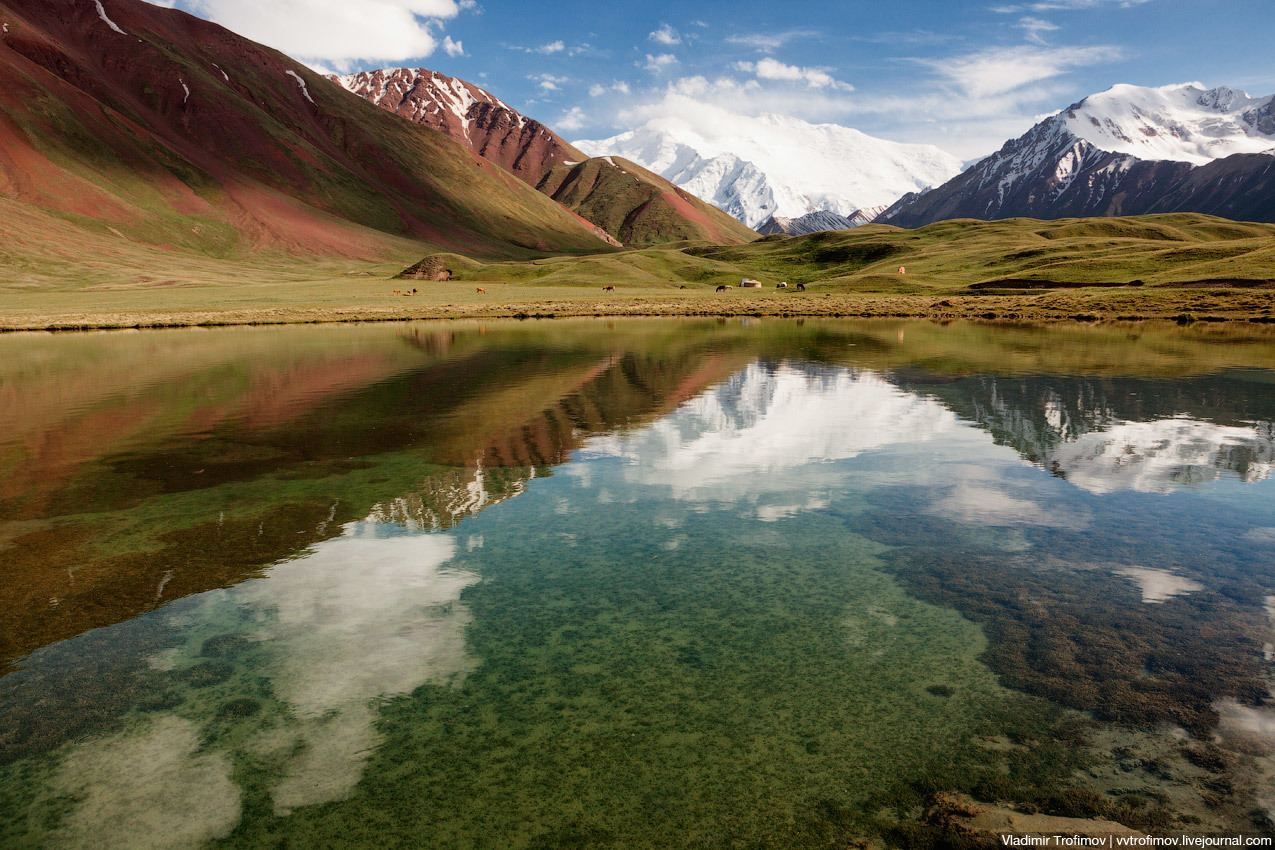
172 132
651 209
1127 151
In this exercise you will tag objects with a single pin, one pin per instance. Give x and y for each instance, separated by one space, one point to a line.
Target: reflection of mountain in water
1121 434
437 427
747 435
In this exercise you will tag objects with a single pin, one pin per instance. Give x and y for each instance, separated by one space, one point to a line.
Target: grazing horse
481 290
801 287
722 288
398 292
608 289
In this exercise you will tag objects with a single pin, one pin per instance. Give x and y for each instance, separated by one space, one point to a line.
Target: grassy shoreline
1183 266
1184 305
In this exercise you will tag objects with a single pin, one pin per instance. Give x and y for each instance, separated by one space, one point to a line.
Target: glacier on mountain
773 166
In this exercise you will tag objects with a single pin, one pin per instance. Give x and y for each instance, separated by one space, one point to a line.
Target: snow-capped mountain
817 221
1185 123
775 166
1129 150
471 115
624 207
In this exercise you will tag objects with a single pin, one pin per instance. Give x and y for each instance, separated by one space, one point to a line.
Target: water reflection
767 431
284 670
573 556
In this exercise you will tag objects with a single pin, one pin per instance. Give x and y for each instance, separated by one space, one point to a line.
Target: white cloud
453 48
1065 5
666 35
657 64
551 47
772 69
768 42
573 119
1034 27
335 31
619 86
999 70
547 82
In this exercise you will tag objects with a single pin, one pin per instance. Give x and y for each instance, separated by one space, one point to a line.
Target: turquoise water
634 584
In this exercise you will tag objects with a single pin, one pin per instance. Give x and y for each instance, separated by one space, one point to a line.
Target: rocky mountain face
483 122
816 222
1127 151
770 166
625 204
174 132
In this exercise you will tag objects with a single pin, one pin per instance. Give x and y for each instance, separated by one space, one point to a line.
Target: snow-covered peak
422 95
1181 123
773 165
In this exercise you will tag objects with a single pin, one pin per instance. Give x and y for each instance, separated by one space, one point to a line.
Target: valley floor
366 302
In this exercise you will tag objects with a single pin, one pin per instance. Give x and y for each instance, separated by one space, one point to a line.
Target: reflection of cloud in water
1251 730
1158 456
1159 585
148 787
737 440
983 497
986 505
358 618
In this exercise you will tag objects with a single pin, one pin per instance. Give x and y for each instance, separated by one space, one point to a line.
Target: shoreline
1187 307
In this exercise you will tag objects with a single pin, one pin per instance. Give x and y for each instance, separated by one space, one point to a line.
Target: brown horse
801 287
608 289
481 290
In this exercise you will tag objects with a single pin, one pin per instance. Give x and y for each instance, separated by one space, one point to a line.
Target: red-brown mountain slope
634 206
173 131
474 116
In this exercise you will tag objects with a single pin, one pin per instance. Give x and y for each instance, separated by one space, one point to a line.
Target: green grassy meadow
1182 265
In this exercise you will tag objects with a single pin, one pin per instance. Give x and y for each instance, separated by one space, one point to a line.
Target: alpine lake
635 583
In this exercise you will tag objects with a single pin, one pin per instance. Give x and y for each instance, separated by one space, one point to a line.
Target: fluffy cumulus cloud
573 119
616 87
666 35
337 32
772 69
548 82
656 64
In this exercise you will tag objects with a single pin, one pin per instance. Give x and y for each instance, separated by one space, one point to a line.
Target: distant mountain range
123 120
769 169
1127 151
627 203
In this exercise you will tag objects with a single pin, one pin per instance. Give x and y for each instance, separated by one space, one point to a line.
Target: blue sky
963 76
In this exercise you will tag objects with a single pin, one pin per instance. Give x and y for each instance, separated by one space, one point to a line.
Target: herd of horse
801 287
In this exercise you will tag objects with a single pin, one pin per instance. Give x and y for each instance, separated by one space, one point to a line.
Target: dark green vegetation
634 659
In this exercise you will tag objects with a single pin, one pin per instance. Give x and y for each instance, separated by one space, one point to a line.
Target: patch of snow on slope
305 91
186 87
101 13
772 165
